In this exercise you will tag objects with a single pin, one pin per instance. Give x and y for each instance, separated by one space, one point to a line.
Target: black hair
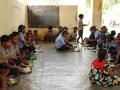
4 38
20 28
93 28
14 34
28 33
81 15
75 27
100 45
113 32
65 31
50 27
65 28
35 30
60 27
102 54
103 27
118 34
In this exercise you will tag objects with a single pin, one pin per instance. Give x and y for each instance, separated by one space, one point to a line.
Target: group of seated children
15 55
51 35
102 72
108 57
103 39
96 37
103 68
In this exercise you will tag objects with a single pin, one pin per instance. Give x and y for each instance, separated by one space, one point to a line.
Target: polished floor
55 70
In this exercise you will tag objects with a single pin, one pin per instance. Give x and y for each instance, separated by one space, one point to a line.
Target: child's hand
13 57
110 70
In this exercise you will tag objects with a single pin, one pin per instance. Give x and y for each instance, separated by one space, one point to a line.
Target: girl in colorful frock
103 73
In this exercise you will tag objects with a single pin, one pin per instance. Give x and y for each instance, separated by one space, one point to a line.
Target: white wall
13 13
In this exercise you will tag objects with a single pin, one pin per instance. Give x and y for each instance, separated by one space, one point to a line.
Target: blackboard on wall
43 16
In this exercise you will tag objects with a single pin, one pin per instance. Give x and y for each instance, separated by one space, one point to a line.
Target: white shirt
22 40
59 42
97 35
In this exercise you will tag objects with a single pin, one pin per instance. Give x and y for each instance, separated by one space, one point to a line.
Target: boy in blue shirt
62 43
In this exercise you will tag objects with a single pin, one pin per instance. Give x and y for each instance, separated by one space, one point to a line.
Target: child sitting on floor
21 31
62 41
102 72
60 29
21 58
37 37
92 40
30 43
30 32
7 50
49 37
6 55
73 35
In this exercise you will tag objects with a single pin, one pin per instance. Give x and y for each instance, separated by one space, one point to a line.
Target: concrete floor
60 71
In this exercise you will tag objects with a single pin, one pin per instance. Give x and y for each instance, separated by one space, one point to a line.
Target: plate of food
76 50
27 70
12 81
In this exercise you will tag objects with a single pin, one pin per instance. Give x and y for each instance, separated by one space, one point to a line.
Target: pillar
97 13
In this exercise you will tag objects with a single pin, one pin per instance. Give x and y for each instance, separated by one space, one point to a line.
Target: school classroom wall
12 13
67 17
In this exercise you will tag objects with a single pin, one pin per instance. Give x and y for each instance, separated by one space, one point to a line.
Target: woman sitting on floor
62 41
102 73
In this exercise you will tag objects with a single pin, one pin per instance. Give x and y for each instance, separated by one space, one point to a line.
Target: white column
97 13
